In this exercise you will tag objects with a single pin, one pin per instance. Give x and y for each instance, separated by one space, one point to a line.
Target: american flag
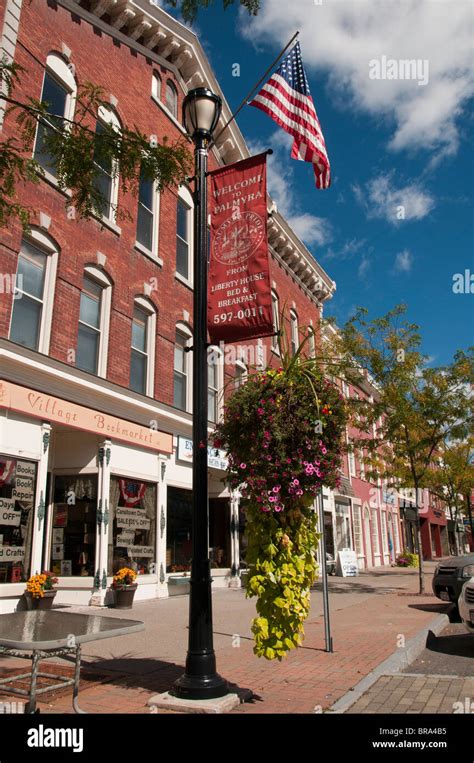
286 98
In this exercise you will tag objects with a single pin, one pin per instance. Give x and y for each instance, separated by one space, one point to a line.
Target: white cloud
342 37
403 262
347 250
312 230
381 199
364 267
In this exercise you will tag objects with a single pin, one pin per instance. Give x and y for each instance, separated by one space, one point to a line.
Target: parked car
450 576
466 605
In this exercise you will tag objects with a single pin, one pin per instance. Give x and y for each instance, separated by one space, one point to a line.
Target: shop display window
74 525
178 530
17 500
132 526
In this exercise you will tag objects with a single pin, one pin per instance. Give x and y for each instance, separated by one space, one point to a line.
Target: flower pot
45 602
124 596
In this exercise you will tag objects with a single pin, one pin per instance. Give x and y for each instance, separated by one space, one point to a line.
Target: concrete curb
397 661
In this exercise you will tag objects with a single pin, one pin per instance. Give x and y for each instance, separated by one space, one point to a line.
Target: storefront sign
47 407
132 518
25 469
8 515
216 459
347 563
139 551
12 553
125 538
239 294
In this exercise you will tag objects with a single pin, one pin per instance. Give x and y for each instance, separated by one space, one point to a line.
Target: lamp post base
193 687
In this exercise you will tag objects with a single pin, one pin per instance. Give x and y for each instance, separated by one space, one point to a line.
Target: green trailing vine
282 431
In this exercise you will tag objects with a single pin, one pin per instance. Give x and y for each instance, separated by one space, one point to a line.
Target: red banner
239 296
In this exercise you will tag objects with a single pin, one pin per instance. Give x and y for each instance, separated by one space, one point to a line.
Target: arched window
33 291
142 360
106 181
156 86
184 235
276 320
59 94
311 342
294 332
94 317
171 101
182 368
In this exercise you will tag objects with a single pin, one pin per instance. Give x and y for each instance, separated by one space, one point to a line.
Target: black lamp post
201 112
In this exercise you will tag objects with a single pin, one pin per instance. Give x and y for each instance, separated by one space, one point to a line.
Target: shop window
179 530
294 332
17 500
74 525
147 215
357 530
219 533
184 235
375 533
94 312
132 525
106 181
181 391
172 99
58 93
142 352
343 536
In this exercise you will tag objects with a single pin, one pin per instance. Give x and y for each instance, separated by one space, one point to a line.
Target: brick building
95 397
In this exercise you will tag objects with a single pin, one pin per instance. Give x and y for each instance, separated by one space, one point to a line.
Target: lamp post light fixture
201 112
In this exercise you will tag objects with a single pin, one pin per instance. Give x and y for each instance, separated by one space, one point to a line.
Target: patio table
42 634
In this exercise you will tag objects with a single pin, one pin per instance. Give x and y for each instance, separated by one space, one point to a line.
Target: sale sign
239 295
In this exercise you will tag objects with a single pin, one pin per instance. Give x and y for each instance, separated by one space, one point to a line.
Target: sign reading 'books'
239 295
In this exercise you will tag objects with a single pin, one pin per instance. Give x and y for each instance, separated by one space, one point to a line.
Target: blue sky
391 143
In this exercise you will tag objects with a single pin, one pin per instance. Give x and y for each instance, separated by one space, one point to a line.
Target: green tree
452 477
189 8
415 408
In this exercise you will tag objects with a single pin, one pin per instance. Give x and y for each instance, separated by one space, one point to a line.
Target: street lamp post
201 112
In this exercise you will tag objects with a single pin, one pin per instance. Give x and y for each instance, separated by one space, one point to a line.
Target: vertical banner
239 295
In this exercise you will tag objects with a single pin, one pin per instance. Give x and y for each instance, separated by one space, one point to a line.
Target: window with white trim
142 347
156 86
106 181
294 332
384 532
276 320
375 533
171 99
32 303
59 94
311 342
351 461
184 233
214 383
358 543
361 464
241 373
345 389
182 369
93 329
147 215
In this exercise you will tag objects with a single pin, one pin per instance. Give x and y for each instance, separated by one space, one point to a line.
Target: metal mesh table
43 634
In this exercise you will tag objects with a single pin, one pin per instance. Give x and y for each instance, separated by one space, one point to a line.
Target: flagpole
214 140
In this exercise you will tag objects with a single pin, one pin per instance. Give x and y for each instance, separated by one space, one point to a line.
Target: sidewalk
371 616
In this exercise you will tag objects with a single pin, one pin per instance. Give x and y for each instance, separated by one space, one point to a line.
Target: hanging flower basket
283 432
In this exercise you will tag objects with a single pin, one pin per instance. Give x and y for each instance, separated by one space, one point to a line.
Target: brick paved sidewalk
414 693
368 616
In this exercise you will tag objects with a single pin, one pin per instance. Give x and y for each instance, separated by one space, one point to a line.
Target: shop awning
345 488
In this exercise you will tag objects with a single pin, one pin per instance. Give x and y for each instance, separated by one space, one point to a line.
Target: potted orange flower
40 591
124 586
